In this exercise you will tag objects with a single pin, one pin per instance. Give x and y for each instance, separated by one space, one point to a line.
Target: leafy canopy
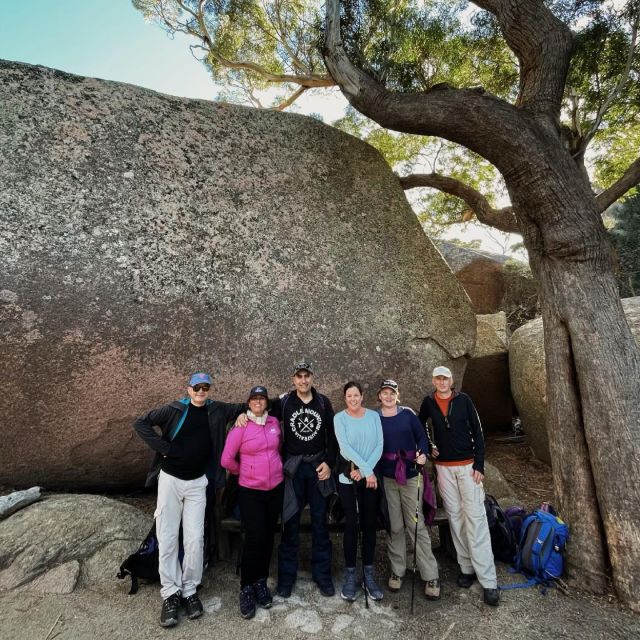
413 45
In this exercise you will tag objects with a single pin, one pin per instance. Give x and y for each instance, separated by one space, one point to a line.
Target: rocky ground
100 606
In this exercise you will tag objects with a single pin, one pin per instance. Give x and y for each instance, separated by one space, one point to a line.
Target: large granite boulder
481 273
528 383
486 378
143 237
51 546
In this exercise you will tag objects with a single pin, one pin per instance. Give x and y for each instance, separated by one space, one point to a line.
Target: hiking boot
395 583
465 580
247 602
193 606
326 587
349 586
262 594
370 584
284 590
492 597
170 608
432 589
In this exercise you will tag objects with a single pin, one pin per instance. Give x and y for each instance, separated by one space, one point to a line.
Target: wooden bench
229 533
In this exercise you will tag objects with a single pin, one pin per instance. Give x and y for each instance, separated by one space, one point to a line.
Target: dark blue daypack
516 516
540 554
503 539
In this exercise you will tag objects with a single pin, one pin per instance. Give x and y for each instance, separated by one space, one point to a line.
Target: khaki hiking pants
463 501
401 501
180 501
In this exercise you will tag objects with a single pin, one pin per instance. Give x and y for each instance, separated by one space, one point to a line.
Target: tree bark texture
593 362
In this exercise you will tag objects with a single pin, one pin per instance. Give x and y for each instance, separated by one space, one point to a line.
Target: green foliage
258 38
413 45
626 240
598 70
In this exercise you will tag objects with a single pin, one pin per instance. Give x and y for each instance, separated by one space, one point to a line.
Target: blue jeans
305 484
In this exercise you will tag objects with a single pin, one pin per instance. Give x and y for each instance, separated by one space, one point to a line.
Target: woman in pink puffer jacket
253 452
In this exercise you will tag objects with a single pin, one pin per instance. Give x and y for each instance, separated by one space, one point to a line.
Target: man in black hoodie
309 452
459 453
188 450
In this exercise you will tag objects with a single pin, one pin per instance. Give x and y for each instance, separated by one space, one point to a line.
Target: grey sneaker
370 584
348 592
170 608
432 589
395 582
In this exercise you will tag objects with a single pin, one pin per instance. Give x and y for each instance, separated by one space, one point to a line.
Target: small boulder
52 545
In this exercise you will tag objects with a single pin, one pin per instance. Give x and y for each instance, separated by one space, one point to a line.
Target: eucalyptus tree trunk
593 362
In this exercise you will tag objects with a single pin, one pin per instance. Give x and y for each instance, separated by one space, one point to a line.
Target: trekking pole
364 583
415 540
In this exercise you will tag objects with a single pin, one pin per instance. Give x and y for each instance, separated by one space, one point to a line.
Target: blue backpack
541 550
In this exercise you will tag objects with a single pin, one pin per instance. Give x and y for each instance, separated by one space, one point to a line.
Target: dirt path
524 614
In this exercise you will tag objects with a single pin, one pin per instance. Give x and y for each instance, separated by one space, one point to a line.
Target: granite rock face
486 379
528 382
49 546
143 237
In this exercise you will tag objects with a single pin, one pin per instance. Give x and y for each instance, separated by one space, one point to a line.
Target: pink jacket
258 447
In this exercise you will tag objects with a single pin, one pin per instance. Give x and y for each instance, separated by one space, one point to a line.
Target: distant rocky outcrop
528 382
486 378
143 237
50 546
479 272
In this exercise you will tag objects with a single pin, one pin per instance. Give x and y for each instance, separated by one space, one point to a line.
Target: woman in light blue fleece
359 434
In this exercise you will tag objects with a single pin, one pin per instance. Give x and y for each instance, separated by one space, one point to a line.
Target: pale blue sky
100 38
109 39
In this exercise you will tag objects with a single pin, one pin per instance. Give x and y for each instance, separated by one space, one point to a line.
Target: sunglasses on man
201 387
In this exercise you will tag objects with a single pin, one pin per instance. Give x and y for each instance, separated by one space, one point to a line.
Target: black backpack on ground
145 561
503 539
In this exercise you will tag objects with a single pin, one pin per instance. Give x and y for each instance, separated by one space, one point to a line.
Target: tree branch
502 219
459 115
543 45
630 178
290 100
622 81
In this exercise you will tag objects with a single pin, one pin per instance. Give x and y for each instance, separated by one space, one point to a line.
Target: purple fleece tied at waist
428 495
401 458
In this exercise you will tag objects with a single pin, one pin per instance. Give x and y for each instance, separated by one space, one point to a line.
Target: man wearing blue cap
188 450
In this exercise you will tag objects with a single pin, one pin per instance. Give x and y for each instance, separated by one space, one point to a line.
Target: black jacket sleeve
478 436
332 442
232 410
424 413
160 417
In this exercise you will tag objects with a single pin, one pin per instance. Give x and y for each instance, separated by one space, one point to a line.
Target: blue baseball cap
199 378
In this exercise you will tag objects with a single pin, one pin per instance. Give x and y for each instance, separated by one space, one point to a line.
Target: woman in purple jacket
253 452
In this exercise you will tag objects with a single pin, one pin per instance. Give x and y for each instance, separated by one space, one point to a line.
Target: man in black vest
188 449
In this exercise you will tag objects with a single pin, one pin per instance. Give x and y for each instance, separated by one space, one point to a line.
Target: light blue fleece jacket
360 440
